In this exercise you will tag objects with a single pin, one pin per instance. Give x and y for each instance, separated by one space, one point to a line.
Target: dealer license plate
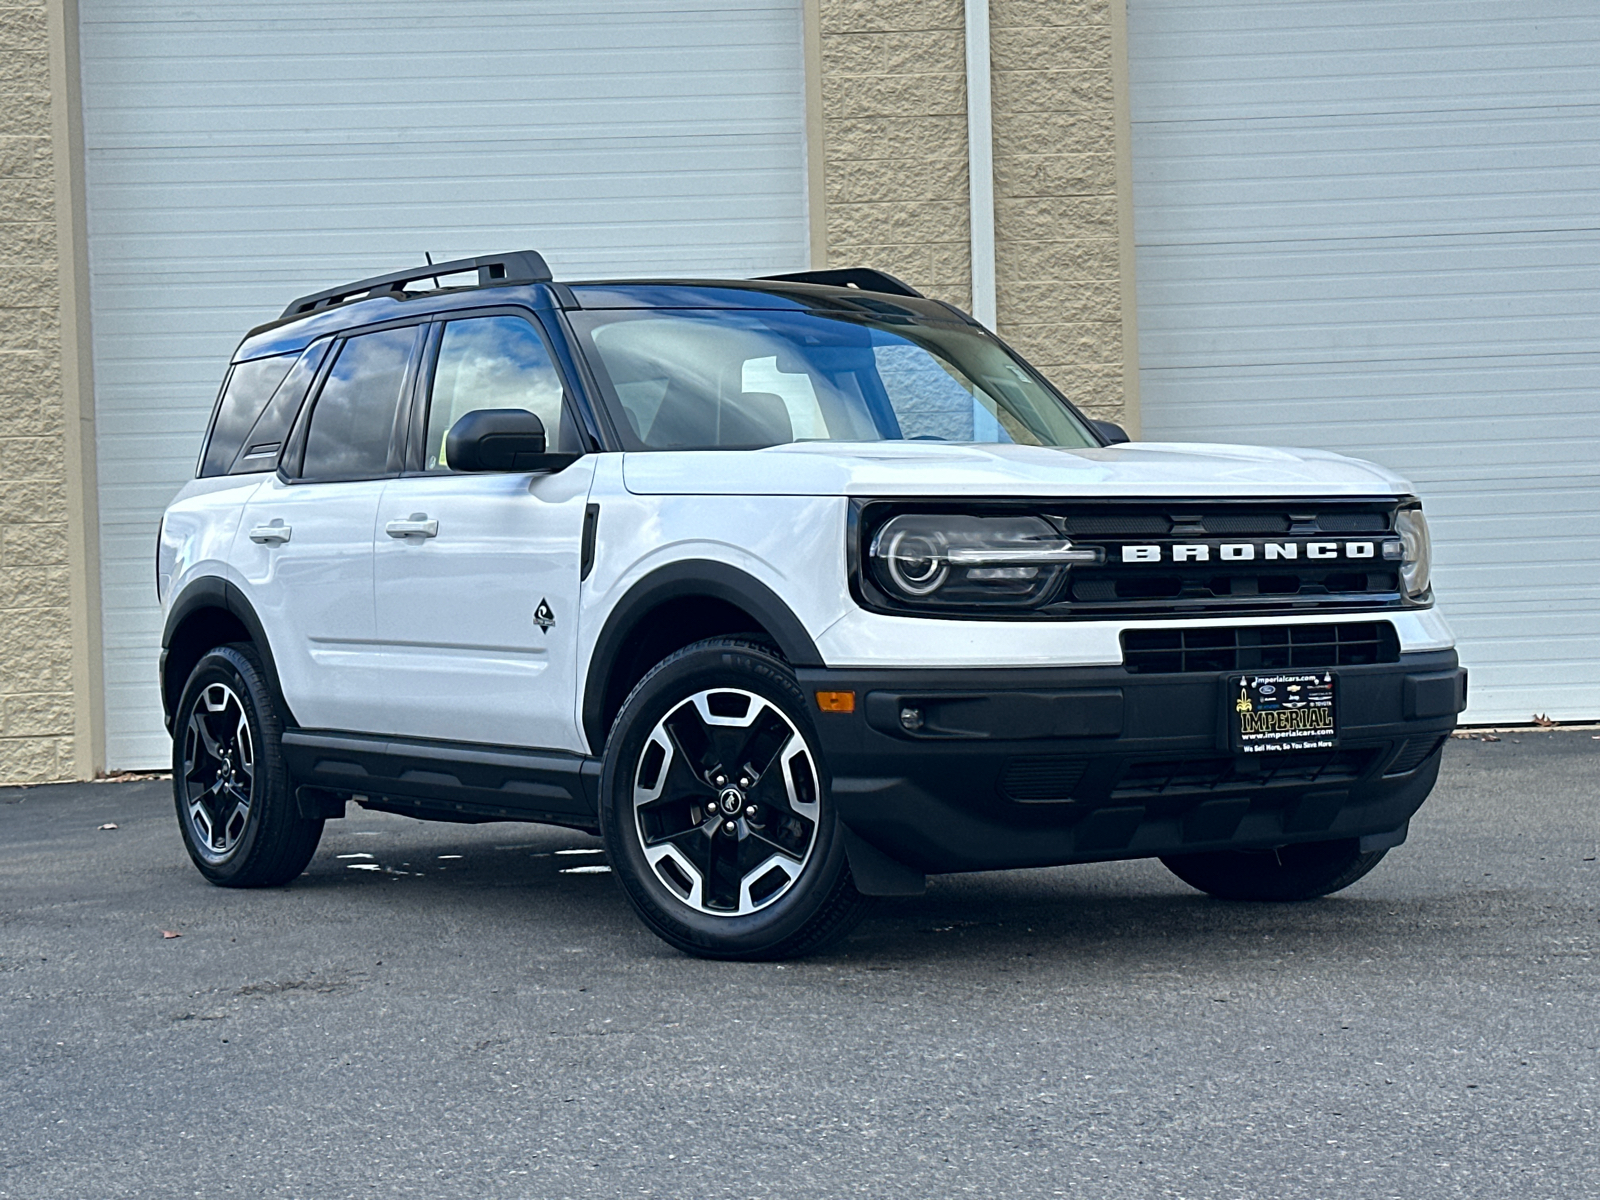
1284 712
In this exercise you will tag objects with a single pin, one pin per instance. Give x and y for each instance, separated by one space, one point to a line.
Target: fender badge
543 616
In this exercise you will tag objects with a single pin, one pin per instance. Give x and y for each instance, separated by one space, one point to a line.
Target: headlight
1416 551
951 561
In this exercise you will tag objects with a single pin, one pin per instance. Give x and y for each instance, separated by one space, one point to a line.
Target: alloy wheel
726 802
219 770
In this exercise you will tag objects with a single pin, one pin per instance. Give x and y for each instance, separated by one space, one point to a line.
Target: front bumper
1022 767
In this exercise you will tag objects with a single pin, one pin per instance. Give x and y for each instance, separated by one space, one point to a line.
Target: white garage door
241 153
1375 228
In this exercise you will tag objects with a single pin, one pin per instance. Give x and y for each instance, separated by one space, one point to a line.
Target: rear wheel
1299 872
236 807
716 811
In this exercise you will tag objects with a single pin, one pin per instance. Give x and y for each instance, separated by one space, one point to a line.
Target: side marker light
836 702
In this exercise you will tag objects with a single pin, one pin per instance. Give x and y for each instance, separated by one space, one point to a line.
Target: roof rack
494 270
864 278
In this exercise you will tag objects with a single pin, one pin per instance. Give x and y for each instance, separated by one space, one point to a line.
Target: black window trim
291 461
421 395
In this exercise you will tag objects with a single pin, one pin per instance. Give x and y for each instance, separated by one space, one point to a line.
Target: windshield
696 379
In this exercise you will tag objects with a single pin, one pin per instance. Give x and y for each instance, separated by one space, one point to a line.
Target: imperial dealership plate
1284 712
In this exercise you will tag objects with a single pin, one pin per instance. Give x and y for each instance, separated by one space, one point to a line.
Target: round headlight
915 561
1417 551
955 560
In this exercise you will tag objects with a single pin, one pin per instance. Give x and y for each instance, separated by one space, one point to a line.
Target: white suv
794 589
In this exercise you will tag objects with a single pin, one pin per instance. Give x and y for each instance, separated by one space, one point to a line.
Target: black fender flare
690 577
212 591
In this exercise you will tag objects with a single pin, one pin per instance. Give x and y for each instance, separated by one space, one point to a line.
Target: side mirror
501 439
1113 433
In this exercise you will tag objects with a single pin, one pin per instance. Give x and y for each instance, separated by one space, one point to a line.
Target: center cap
731 799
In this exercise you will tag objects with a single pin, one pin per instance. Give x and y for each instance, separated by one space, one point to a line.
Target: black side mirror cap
501 439
1112 433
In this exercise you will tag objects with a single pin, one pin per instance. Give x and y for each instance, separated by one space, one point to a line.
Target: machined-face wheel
219 771
726 802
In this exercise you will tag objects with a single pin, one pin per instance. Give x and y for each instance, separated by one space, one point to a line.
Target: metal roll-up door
1375 228
242 153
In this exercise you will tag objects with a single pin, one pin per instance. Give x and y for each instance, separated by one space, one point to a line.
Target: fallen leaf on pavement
1488 737
167 933
107 825
1543 722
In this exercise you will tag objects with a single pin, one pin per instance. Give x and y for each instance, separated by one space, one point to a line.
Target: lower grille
1259 648
1042 778
1413 753
1160 777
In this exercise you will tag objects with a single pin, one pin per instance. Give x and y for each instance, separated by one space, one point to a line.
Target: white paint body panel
1371 227
459 651
313 595
239 155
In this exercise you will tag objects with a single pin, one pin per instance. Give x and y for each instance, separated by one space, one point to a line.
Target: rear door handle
275 534
416 525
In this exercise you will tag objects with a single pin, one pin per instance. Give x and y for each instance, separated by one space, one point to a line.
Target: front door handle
275 534
416 525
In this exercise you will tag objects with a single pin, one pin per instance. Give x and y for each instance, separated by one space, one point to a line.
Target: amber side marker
839 702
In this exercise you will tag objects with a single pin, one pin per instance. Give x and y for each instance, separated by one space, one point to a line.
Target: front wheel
236 806
1298 872
715 808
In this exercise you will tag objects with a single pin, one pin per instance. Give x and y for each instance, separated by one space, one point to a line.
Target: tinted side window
491 362
353 421
249 387
260 449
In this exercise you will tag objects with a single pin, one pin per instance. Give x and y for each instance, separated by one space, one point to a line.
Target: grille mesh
1158 777
1259 648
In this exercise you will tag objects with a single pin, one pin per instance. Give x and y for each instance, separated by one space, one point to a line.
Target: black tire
236 806
701 892
1298 872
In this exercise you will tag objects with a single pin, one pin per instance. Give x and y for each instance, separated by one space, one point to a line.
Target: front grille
1160 777
1230 556
1259 648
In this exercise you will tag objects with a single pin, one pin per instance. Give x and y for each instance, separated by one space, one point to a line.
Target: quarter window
491 362
352 424
249 387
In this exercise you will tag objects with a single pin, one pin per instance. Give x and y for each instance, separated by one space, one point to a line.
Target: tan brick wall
893 99
894 132
36 646
1057 261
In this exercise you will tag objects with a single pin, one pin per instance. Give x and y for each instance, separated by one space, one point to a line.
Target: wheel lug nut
751 811
730 827
721 781
711 810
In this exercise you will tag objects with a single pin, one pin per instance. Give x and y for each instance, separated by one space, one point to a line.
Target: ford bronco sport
794 589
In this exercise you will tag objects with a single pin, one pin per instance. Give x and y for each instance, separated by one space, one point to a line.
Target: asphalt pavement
473 1011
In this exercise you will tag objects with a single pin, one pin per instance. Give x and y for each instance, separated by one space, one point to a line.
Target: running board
448 781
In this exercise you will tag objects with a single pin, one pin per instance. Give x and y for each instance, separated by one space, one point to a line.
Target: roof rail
494 270
864 278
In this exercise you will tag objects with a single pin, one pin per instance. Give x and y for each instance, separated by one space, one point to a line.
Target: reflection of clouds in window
491 362
249 388
354 417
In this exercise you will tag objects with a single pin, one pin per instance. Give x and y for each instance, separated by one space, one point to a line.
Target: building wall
894 133
47 654
1058 258
894 164
36 715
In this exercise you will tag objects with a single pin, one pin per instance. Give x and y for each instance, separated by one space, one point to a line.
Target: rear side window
352 424
250 385
260 449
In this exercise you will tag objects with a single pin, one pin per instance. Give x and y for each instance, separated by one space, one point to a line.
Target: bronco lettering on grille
1205 552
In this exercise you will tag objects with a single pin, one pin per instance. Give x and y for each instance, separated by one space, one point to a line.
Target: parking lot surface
473 1011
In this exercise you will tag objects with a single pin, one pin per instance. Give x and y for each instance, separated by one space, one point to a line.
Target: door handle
275 534
416 525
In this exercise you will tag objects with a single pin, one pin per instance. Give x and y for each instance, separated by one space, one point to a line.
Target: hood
933 469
